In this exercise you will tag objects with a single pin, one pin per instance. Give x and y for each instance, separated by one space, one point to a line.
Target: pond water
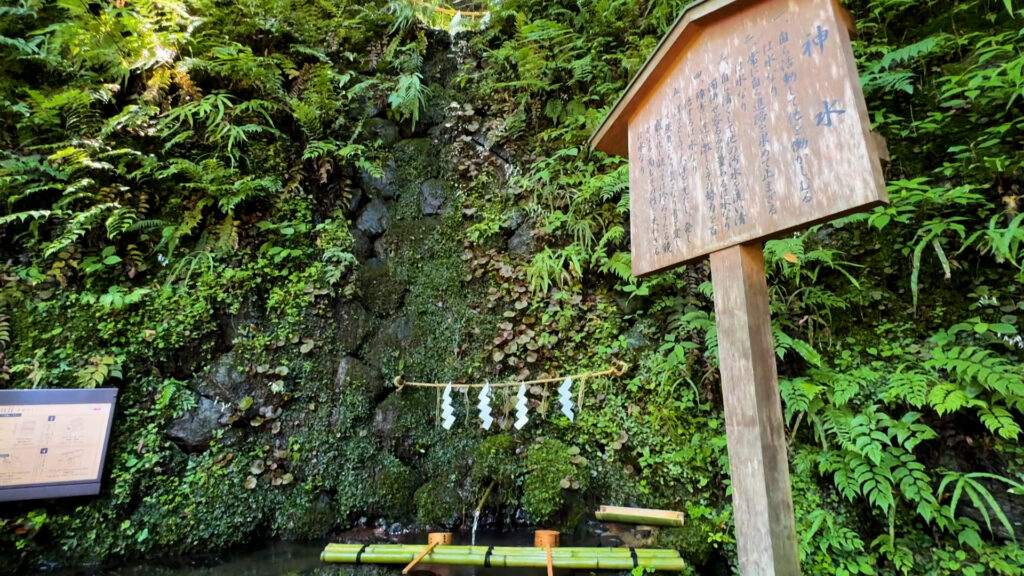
277 558
270 559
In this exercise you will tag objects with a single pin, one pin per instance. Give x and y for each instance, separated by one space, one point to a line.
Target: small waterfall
476 518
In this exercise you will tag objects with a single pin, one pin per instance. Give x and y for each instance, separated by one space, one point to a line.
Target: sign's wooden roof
611 136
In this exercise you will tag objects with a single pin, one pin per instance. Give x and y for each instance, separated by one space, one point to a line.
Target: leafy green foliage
170 168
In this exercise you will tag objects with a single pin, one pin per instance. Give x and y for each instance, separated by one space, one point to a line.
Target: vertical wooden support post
758 463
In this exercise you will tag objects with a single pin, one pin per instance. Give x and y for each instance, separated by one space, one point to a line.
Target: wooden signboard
747 123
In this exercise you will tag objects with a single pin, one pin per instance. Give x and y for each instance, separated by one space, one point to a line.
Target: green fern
979 495
970 365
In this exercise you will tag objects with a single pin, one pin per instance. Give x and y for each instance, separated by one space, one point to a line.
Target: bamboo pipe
509 561
503 551
497 559
538 560
498 549
644 516
557 557
463 551
507 550
487 493
434 539
512 561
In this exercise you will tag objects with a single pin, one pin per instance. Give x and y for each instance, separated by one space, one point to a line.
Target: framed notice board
53 442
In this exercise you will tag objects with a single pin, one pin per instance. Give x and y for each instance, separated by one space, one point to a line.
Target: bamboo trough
644 516
505 556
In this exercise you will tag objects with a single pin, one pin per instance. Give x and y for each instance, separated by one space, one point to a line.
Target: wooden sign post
747 123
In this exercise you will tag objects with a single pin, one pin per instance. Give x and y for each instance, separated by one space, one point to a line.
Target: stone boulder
355 377
353 325
355 386
385 417
399 422
413 149
383 247
355 201
523 243
362 248
375 219
514 219
382 129
383 187
432 197
381 289
224 379
397 333
194 430
395 338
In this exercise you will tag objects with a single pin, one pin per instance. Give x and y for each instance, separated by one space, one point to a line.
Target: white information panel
53 442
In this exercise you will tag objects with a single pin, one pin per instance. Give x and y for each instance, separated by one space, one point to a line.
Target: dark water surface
278 558
270 559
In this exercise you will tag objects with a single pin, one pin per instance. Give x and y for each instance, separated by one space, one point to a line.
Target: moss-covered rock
551 474
495 461
380 286
352 325
404 422
439 503
355 385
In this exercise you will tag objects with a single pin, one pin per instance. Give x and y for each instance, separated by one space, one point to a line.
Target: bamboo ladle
547 539
434 539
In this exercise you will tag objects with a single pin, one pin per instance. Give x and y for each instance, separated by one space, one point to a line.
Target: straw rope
618 368
448 11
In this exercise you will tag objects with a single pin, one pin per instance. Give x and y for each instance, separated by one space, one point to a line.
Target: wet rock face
393 341
396 334
355 377
628 535
355 201
432 197
383 130
195 429
224 379
383 187
397 422
412 148
379 287
375 219
353 325
381 248
362 248
356 385
384 418
524 242
610 541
